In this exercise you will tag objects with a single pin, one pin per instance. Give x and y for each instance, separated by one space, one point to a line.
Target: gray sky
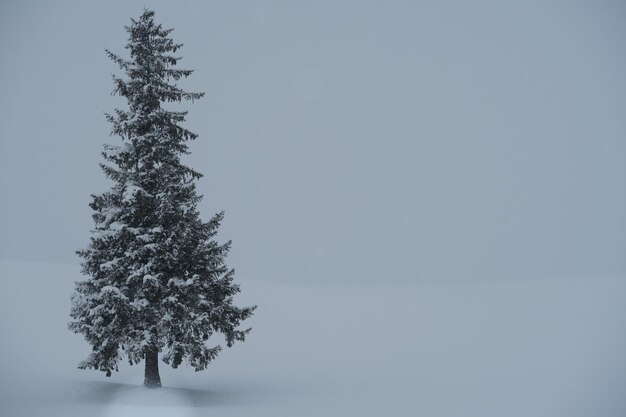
347 141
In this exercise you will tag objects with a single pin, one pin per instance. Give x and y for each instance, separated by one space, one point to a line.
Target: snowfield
536 348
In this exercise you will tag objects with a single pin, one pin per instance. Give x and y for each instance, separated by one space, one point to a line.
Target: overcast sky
397 141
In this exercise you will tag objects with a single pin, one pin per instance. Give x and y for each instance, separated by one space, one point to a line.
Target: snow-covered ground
538 348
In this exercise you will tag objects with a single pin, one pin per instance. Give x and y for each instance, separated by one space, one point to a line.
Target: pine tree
157 281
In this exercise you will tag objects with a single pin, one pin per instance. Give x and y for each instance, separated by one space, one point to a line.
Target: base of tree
152 384
152 378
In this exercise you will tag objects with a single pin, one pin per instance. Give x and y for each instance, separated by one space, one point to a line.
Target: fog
347 142
427 201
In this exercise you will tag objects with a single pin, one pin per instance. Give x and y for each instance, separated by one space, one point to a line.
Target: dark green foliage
156 276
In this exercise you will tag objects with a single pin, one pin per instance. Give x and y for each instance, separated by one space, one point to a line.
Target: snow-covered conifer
157 282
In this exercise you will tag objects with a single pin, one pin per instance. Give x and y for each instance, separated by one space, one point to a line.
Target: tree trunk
152 378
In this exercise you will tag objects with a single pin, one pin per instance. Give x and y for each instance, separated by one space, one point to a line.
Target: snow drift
534 348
